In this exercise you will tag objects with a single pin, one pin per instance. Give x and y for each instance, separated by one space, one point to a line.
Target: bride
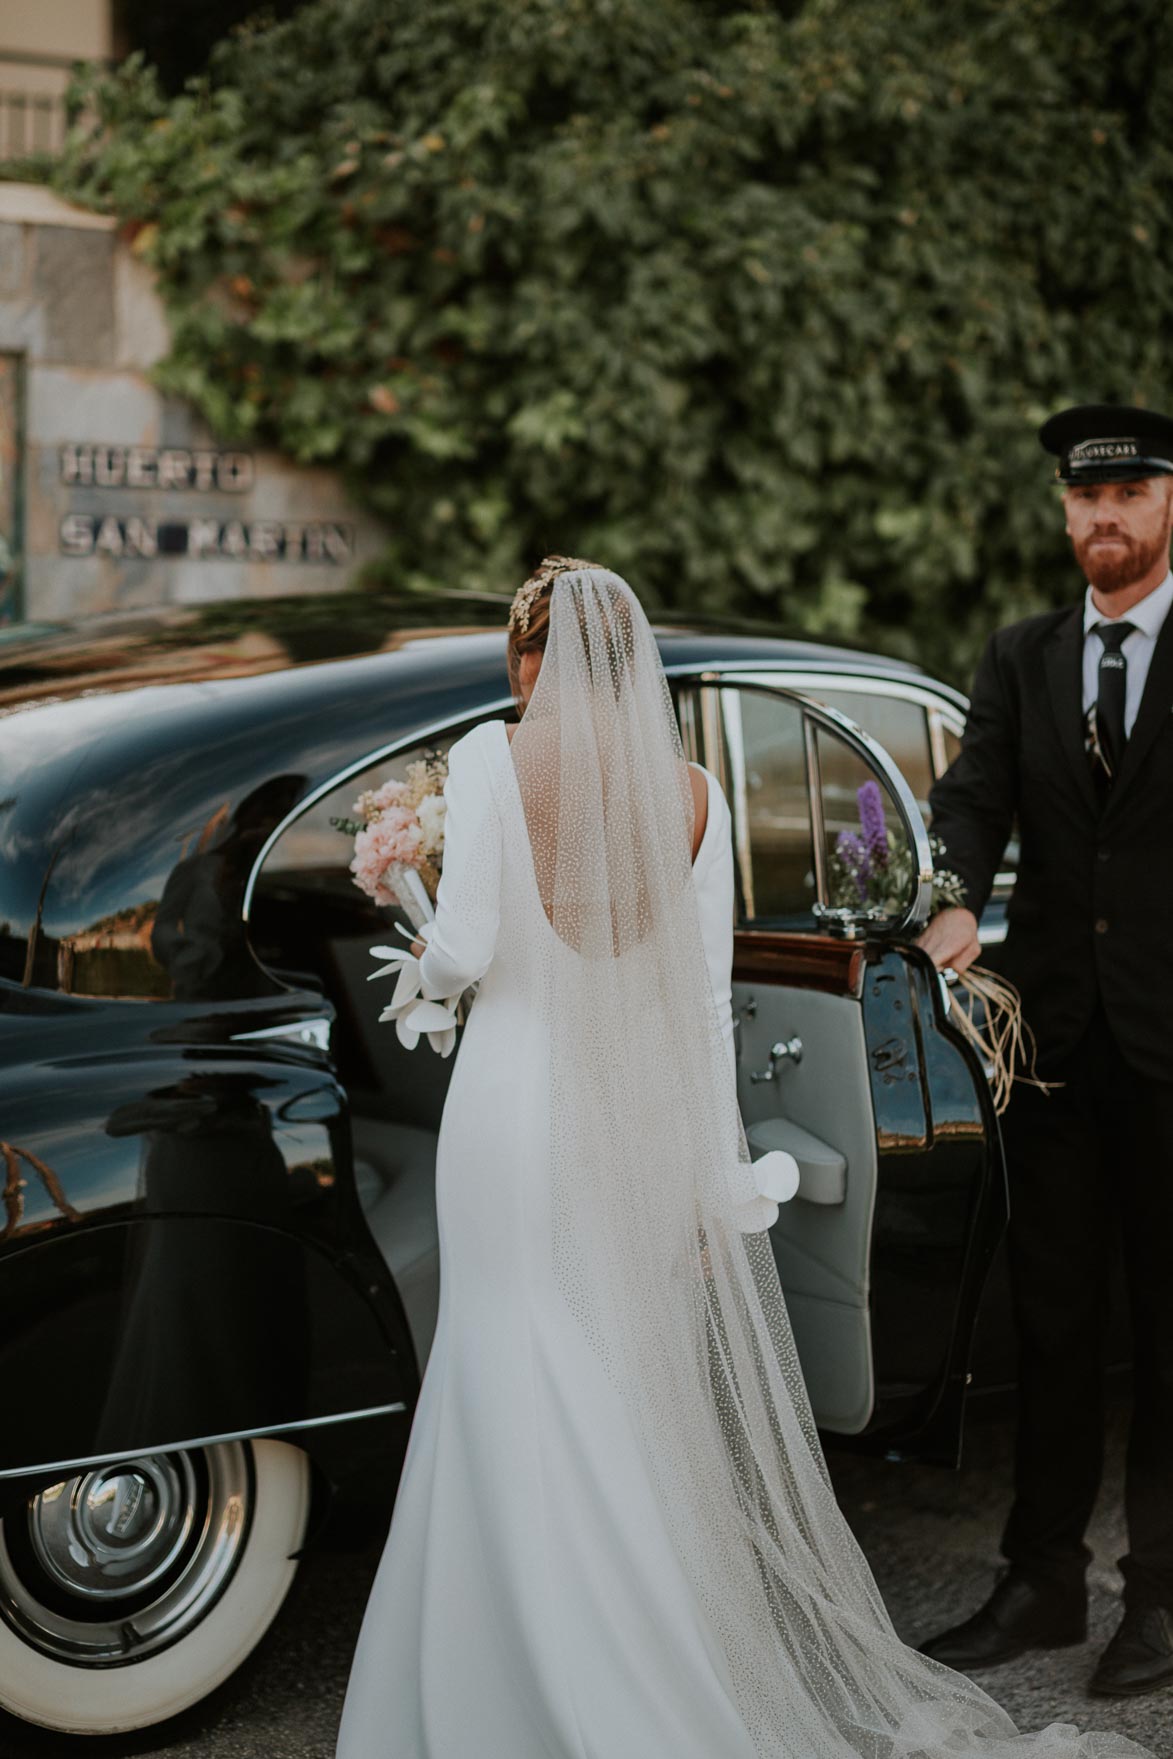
615 1536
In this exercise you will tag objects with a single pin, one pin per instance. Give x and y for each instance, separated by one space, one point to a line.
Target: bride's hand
417 947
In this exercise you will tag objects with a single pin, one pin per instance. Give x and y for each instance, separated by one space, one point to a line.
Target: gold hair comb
543 576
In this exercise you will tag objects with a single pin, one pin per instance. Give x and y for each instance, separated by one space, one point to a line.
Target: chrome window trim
937 752
818 818
734 742
867 680
712 743
944 707
202 1441
314 1030
686 714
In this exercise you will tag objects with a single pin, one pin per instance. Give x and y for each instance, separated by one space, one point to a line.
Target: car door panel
883 1274
821 1249
940 1206
305 906
187 1224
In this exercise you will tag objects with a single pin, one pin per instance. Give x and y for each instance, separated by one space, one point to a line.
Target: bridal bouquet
398 855
871 872
399 838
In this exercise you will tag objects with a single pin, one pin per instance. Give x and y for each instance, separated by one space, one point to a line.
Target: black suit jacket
1092 911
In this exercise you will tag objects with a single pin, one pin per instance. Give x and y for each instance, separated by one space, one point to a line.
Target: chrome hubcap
114 1532
117 1562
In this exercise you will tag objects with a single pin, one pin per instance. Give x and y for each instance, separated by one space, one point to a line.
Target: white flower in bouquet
432 811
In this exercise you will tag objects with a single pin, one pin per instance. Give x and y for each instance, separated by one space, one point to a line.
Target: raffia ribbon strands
1005 1043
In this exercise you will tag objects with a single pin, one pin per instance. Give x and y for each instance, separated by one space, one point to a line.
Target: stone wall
114 495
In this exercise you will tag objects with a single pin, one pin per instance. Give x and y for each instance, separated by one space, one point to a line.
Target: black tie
1112 690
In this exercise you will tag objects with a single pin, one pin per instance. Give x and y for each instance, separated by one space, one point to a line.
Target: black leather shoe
1016 1617
1140 1656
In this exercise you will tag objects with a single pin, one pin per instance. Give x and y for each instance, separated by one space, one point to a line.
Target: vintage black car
218 1260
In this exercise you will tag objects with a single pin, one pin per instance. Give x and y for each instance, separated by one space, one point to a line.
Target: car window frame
947 710
944 706
707 683
419 735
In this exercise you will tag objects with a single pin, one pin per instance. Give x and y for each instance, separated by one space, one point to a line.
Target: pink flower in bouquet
394 836
375 801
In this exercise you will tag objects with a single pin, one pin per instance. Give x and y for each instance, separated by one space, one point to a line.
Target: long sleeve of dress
757 1188
464 932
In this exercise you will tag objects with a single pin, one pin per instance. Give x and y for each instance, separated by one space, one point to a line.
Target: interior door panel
822 1170
822 1248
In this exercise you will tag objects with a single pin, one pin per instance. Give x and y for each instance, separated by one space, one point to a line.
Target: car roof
239 638
123 738
307 676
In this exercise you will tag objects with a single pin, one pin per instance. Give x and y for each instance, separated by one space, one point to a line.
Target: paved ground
932 1540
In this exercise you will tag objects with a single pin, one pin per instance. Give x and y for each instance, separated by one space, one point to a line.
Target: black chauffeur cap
1109 443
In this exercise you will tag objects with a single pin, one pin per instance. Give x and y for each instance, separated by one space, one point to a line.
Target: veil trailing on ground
654 1208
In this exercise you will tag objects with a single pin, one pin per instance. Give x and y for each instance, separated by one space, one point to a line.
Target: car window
899 725
307 914
312 926
770 778
1008 866
866 858
802 798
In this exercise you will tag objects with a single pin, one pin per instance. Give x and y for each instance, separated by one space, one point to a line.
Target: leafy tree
760 305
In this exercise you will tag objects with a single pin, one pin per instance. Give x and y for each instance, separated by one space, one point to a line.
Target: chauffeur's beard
1126 565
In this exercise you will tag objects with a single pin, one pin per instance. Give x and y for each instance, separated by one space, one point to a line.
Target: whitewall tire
129 1592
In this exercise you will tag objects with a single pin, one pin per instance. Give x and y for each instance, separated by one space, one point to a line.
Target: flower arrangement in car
871 869
872 873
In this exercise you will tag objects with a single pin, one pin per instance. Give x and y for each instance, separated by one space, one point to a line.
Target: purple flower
871 823
854 856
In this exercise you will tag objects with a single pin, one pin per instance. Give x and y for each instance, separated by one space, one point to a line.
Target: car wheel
129 1591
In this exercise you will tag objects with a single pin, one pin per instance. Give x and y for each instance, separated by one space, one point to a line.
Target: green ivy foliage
761 305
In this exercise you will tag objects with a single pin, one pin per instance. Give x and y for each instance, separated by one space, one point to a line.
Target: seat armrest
822 1170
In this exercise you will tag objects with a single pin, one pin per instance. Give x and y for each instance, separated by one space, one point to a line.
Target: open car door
847 1058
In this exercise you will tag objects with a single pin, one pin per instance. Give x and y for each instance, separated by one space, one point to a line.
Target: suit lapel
1064 664
1156 704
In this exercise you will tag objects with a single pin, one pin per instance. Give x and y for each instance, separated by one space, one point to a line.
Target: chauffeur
1070 734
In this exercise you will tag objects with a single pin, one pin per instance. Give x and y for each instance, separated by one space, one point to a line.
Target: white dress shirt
1147 618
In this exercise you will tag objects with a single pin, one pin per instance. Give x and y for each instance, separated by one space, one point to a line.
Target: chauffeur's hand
951 938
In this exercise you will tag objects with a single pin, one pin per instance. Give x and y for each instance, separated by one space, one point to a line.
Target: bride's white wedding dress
529 1602
584 1561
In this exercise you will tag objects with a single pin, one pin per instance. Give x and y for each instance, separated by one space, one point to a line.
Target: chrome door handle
310 1030
785 1051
